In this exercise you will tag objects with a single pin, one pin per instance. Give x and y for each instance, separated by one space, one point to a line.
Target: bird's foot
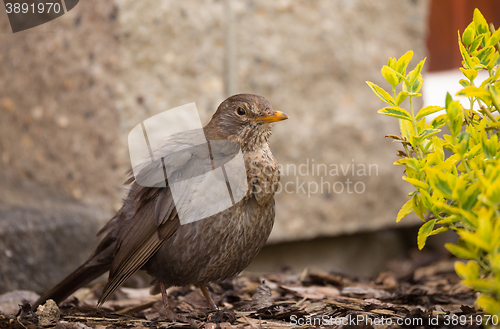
170 314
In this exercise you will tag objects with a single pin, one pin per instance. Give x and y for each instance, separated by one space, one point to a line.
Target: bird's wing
153 215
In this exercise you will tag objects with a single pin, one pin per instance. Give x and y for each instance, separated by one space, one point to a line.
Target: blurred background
73 88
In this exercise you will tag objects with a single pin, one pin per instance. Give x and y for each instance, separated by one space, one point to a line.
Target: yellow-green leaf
489 304
427 111
481 285
381 93
486 55
410 163
414 74
474 239
405 210
468 217
469 271
427 200
449 220
396 112
493 40
495 95
439 121
467 60
424 231
459 251
401 97
464 83
439 230
390 76
470 74
476 43
480 22
490 146
427 133
463 143
414 88
473 92
469 198
403 61
469 34
455 117
418 207
407 132
392 63
416 183
493 60
440 181
493 193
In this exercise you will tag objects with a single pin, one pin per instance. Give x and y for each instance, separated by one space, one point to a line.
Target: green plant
459 192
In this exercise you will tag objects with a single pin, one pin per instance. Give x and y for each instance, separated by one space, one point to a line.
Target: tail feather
80 277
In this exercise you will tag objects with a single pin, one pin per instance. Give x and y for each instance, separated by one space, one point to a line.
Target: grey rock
10 301
42 237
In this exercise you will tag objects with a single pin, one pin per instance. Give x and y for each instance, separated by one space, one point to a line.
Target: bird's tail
80 277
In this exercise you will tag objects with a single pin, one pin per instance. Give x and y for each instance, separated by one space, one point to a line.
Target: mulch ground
423 292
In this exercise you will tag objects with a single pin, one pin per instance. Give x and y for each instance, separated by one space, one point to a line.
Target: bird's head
245 119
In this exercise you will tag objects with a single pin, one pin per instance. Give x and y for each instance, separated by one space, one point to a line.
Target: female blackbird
146 233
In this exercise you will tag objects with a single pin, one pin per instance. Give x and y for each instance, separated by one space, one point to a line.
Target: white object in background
437 84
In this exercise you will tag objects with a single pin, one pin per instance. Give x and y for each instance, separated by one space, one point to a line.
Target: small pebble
48 312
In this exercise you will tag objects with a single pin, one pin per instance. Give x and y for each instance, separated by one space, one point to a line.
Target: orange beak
276 116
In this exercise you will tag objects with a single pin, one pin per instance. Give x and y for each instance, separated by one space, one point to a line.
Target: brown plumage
146 232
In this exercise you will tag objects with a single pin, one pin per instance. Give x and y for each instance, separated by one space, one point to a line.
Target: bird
148 232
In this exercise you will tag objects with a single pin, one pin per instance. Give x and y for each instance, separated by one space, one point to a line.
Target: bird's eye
241 111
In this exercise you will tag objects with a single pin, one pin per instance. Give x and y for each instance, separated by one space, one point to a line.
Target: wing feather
153 215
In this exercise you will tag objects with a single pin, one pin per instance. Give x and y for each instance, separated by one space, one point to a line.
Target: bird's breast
263 174
214 248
